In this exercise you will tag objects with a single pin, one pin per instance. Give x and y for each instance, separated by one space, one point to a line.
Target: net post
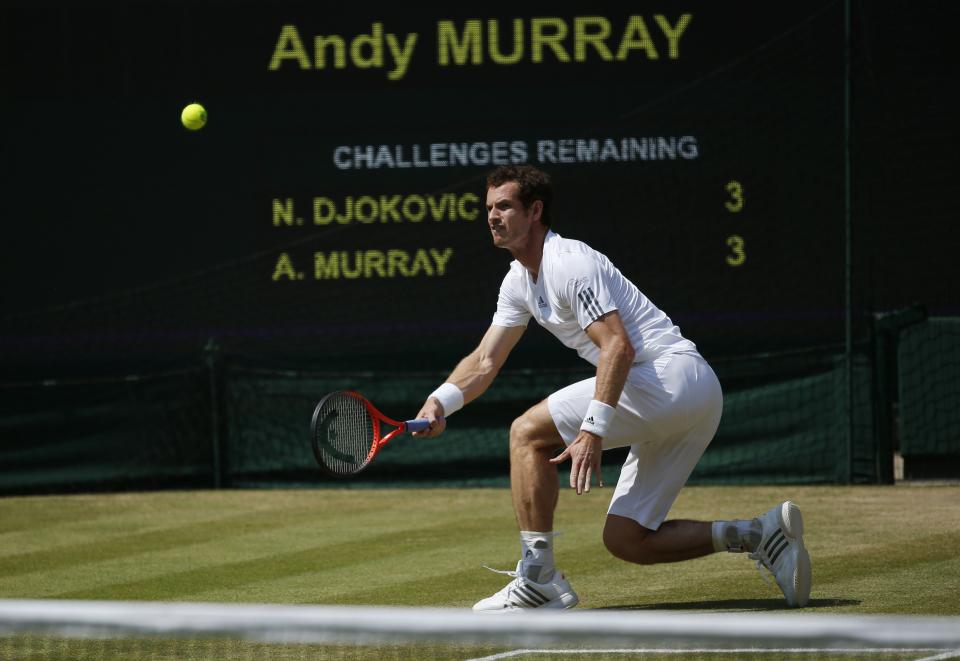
213 361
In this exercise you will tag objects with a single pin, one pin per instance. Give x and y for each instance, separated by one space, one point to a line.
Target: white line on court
729 650
953 654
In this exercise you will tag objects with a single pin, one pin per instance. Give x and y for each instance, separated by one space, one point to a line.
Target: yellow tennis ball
194 116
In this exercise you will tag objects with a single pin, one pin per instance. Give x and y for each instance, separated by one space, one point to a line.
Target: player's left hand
584 453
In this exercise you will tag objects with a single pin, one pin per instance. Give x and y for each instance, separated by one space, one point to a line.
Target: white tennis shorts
668 413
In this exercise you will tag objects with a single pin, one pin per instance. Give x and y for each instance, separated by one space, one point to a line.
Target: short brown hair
533 184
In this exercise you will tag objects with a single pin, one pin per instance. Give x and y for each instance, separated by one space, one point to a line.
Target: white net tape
352 624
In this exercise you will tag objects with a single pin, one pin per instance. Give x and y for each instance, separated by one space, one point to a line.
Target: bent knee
521 429
531 431
626 540
626 549
523 439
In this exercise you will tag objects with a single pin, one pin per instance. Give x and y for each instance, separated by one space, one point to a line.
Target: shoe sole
567 600
791 521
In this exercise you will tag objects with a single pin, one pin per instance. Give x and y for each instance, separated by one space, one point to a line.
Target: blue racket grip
417 425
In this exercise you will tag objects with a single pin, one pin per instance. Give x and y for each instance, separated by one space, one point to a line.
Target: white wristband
450 397
598 418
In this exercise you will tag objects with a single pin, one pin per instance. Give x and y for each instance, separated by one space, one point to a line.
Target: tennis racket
346 433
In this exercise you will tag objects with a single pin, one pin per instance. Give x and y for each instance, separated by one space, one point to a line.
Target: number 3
739 256
735 203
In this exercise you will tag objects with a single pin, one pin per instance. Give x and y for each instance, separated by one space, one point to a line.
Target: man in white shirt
652 391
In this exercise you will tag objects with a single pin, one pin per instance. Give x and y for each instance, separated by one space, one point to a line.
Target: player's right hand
432 410
584 452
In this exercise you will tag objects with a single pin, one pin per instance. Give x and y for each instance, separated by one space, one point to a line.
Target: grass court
875 550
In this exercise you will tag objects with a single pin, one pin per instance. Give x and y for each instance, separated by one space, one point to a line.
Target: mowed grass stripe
234 575
170 537
166 531
349 519
455 577
155 563
33 517
875 549
37 513
917 557
928 587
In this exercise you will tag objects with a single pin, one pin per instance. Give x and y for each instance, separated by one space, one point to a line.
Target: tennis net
151 630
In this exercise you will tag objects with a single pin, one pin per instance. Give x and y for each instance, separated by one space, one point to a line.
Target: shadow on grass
733 605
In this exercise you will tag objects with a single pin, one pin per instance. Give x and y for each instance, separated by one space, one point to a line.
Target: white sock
536 549
736 536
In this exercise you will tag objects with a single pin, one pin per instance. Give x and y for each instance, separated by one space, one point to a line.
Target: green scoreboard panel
332 210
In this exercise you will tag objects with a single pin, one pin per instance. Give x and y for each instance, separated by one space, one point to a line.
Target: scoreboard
332 210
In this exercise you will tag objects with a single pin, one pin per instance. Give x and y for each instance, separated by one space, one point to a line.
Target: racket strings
345 434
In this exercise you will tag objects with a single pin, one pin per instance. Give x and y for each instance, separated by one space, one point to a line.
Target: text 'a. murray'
366 264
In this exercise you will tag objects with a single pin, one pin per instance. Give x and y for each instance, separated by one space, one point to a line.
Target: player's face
507 218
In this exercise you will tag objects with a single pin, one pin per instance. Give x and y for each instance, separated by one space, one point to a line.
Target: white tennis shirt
575 287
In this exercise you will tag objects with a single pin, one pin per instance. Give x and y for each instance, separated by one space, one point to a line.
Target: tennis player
652 392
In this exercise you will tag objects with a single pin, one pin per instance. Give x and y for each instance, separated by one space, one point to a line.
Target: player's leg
535 437
534 487
673 541
774 539
650 480
676 405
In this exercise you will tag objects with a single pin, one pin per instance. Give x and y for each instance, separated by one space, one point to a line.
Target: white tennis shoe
522 593
782 552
